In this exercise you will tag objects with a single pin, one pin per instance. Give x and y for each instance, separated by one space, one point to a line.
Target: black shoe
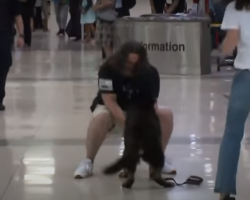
2 107
63 32
60 32
228 198
77 39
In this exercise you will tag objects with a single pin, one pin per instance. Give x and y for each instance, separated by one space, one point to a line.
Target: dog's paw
163 183
123 174
128 183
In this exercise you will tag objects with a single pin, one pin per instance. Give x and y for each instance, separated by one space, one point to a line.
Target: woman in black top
126 77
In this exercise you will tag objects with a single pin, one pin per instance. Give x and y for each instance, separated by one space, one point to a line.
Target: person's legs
108 38
5 63
167 121
88 33
45 14
238 110
63 16
27 28
57 13
4 69
97 132
100 125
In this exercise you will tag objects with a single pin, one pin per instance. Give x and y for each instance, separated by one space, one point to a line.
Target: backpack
128 4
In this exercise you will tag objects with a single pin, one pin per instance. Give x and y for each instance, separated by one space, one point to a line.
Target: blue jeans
238 109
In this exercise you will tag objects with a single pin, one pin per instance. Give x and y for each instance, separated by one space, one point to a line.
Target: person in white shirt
236 23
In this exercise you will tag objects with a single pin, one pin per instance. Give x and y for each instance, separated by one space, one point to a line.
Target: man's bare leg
97 132
167 122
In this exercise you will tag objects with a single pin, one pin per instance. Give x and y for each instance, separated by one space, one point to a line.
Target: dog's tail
115 167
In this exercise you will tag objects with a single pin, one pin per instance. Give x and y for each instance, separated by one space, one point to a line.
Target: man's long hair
119 59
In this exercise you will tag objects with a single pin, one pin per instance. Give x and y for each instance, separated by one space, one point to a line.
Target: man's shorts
101 109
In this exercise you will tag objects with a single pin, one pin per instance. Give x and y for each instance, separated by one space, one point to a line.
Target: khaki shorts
101 109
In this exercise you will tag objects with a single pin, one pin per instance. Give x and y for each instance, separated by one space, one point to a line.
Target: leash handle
192 180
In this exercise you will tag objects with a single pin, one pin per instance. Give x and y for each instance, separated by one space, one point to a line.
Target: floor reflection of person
10 11
236 25
126 77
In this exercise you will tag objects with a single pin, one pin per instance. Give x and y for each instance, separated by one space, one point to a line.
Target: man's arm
173 6
104 4
107 87
19 24
111 103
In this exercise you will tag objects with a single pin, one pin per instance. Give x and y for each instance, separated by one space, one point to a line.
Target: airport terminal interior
43 130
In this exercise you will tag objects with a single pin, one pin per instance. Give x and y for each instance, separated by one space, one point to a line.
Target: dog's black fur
142 139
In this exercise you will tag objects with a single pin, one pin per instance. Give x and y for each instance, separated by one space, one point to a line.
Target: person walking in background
27 10
45 15
121 10
61 12
88 18
10 11
177 6
157 6
106 15
236 23
38 22
74 27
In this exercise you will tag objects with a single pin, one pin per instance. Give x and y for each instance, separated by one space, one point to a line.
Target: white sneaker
168 168
84 170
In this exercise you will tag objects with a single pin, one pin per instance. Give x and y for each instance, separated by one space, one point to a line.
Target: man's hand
20 41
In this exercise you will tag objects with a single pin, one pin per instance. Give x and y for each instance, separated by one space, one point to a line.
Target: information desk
176 44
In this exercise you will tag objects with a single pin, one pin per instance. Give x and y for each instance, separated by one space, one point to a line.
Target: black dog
142 139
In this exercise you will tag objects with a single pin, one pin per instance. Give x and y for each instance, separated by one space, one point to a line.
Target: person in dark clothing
75 14
27 11
9 12
177 6
157 6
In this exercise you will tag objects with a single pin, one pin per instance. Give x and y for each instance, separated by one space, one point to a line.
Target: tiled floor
42 132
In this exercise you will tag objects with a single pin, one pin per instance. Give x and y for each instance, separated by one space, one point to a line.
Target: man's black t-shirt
144 87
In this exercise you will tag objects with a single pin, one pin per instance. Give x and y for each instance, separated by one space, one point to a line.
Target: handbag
108 14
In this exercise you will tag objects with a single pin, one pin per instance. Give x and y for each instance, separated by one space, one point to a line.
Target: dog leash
192 180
